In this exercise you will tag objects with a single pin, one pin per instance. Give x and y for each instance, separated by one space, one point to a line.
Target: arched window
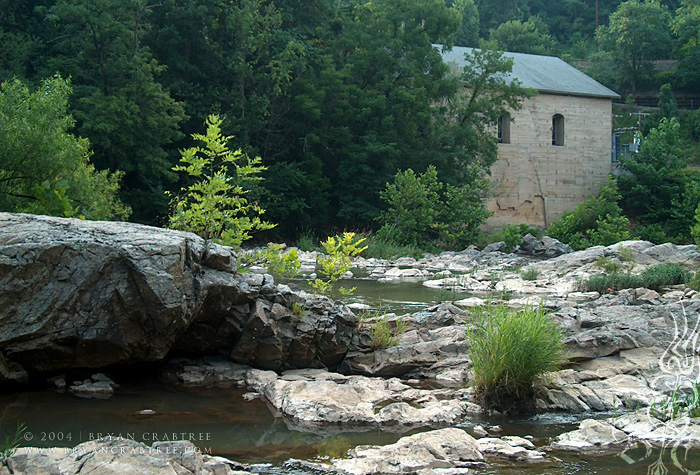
504 129
558 130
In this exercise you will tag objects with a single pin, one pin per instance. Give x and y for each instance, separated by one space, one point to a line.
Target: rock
117 456
12 373
90 390
674 254
311 402
591 434
433 347
531 245
554 247
88 294
445 448
398 273
495 246
512 448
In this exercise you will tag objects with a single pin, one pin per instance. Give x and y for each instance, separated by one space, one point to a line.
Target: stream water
222 422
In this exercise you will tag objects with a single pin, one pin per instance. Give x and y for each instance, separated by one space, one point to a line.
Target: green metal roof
543 73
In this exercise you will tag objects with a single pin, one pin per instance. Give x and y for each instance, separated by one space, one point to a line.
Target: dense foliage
44 169
335 96
597 221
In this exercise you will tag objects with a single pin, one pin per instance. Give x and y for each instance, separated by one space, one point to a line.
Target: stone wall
537 182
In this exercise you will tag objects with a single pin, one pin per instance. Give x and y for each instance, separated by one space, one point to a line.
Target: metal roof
543 73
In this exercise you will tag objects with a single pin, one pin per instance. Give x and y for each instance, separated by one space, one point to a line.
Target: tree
597 221
658 192
44 169
215 205
686 27
667 102
638 33
521 37
129 117
422 210
468 33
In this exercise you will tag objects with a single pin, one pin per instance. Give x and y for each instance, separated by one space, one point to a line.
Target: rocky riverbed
79 296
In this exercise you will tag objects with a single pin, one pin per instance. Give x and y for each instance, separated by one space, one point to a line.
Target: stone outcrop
86 294
315 400
117 456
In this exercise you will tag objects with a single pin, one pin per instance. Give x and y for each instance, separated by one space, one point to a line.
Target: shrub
278 262
531 273
383 336
511 351
336 262
597 221
422 209
215 205
10 443
654 277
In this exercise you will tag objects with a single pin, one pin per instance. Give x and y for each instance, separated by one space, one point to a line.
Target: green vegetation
597 221
654 277
678 404
335 97
424 210
531 273
512 351
215 206
11 442
285 264
336 262
383 336
44 169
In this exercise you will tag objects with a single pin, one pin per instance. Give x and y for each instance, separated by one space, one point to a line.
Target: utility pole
596 25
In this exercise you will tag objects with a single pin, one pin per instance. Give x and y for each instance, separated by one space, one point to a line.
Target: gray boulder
86 294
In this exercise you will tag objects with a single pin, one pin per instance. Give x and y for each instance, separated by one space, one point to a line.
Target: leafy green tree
596 221
657 191
44 169
638 33
414 208
424 210
215 205
667 102
468 33
686 28
337 262
521 37
129 117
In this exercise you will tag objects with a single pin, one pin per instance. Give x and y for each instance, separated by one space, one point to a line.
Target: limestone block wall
536 182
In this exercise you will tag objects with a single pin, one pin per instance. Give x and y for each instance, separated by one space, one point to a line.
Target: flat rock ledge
117 456
631 430
316 400
443 451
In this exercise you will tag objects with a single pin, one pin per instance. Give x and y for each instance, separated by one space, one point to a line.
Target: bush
654 277
597 221
511 351
215 205
336 262
421 209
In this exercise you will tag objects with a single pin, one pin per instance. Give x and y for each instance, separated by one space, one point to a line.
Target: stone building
557 148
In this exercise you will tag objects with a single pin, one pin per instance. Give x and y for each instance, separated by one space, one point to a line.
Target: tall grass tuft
511 352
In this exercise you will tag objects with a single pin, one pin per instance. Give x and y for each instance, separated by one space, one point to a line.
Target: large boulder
87 294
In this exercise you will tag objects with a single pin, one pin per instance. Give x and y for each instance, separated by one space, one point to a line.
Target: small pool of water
397 296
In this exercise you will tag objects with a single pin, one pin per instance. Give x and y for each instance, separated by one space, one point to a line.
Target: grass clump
10 443
678 404
653 277
383 336
511 352
531 273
